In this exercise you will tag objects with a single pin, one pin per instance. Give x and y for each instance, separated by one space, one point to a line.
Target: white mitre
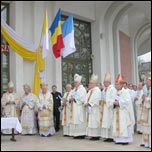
77 77
94 78
10 84
107 77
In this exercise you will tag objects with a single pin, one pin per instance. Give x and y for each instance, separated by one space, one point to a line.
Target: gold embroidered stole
71 110
117 121
101 112
65 110
88 102
44 121
144 113
144 120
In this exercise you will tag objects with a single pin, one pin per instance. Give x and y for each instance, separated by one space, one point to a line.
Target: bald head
68 87
140 85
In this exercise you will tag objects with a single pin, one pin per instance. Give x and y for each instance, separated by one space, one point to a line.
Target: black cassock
56 104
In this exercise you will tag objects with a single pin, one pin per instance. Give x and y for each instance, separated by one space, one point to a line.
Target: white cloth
78 126
147 143
125 139
11 122
10 104
131 96
93 114
28 120
51 131
106 128
77 130
27 45
146 115
138 109
47 100
126 118
11 108
67 97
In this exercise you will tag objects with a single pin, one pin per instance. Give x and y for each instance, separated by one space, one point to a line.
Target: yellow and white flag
44 37
44 44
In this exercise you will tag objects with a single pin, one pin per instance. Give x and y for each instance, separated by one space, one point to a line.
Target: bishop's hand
44 107
72 99
101 102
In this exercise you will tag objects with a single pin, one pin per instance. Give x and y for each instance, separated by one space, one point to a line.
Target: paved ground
60 143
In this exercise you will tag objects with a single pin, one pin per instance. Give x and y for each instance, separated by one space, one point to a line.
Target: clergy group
111 114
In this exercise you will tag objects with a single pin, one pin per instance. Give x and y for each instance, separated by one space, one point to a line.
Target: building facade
108 35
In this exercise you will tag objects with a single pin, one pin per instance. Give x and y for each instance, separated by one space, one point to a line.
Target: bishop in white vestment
28 103
106 109
10 104
92 109
138 106
66 110
45 112
123 114
146 115
77 127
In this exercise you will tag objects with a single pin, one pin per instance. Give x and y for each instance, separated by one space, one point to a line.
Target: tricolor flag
68 37
56 35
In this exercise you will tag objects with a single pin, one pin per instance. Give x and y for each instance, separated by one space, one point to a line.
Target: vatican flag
44 37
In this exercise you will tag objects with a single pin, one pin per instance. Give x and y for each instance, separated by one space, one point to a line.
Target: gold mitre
44 85
107 77
94 78
10 84
26 86
77 77
149 76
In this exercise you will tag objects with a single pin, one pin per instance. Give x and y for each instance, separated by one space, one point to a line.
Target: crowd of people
111 112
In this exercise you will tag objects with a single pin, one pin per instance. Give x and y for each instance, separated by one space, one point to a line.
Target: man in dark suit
56 103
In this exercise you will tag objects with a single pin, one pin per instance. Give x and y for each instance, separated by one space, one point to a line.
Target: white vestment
28 120
93 113
77 125
11 107
66 113
132 96
138 109
45 116
123 118
146 120
106 117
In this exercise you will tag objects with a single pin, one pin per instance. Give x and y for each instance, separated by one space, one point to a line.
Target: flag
44 38
44 45
41 54
68 37
56 35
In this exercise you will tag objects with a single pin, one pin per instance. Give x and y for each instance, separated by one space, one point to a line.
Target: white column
135 77
16 61
96 50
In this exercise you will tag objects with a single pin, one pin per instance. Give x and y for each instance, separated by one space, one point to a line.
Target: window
144 66
4 51
80 61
